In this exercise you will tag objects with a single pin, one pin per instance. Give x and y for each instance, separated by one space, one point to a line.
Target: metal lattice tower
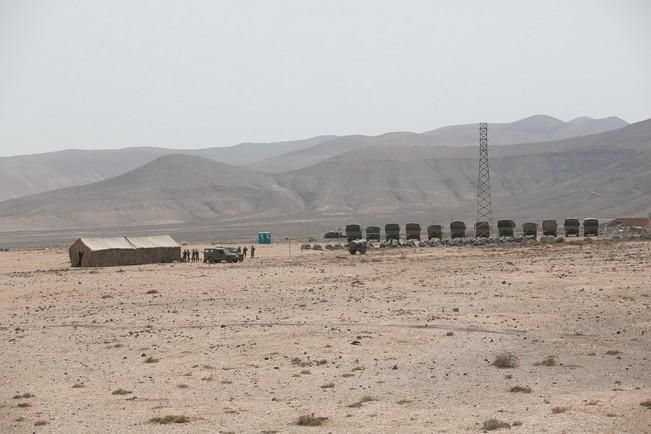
484 207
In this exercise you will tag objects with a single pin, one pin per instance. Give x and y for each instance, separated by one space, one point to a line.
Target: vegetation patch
311 420
521 389
495 424
547 361
505 361
169 419
23 396
358 404
121 391
297 361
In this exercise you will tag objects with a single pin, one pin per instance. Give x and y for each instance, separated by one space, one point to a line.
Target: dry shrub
23 396
494 424
170 419
23 404
646 403
311 420
78 386
297 361
328 386
506 361
40 423
121 391
521 389
547 361
151 359
358 404
559 410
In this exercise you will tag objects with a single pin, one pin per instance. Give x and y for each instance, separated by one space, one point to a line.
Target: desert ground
547 338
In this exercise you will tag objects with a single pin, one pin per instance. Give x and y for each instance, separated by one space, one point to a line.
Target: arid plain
399 340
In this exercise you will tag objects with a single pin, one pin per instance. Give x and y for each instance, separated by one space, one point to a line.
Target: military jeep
356 246
220 254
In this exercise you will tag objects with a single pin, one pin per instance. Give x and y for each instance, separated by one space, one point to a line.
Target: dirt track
253 346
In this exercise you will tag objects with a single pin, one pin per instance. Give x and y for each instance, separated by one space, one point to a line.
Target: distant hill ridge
603 175
29 174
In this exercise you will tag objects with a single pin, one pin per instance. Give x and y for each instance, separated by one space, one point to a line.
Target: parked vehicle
434 231
550 228
221 254
357 246
457 229
505 228
590 227
373 233
530 230
413 231
482 230
354 232
392 231
572 227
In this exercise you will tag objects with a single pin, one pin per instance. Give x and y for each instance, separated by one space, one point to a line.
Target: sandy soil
251 347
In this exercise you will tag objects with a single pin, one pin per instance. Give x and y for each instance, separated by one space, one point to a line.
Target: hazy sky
107 74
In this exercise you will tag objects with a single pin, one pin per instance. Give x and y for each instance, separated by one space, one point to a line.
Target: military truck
392 231
530 230
413 231
590 227
373 233
550 228
457 229
434 231
333 235
220 254
357 246
354 232
505 228
572 227
482 230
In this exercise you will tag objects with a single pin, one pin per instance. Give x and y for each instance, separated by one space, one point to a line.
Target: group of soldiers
194 255
245 250
191 255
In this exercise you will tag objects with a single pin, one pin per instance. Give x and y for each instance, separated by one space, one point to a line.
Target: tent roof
129 243
107 243
153 241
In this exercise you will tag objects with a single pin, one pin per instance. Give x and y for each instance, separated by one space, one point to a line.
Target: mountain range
607 174
30 174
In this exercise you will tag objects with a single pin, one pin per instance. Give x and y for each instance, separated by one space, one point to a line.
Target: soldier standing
244 250
252 251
